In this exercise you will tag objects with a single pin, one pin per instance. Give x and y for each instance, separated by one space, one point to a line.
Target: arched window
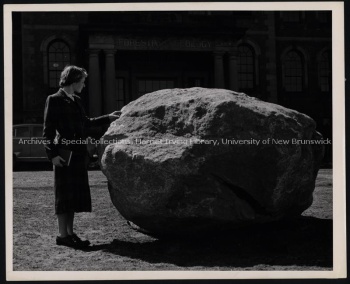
246 67
324 71
58 58
293 72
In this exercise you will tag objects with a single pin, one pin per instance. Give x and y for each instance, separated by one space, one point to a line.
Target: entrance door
148 85
149 71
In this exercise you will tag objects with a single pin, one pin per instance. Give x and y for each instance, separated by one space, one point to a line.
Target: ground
297 245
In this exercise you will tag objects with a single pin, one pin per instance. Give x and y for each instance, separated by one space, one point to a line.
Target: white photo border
338 99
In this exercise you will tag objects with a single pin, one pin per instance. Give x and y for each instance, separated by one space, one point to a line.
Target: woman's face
79 85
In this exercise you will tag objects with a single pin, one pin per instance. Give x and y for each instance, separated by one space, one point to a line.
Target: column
219 70
233 71
110 99
94 79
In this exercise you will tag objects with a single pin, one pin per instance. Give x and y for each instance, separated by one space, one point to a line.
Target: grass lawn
303 244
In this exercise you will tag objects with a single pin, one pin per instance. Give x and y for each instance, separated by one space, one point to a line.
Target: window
246 67
324 71
293 72
21 132
120 89
150 85
58 58
195 82
37 131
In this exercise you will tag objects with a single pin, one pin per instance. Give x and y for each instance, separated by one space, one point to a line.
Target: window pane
59 45
52 57
53 82
293 72
59 57
140 84
162 85
170 84
197 83
245 67
156 85
119 82
324 72
148 86
52 75
37 132
22 132
151 85
52 48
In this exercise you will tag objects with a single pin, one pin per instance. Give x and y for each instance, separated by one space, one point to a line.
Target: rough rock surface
187 160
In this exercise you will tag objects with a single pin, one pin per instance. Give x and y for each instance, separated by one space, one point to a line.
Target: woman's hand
114 115
57 161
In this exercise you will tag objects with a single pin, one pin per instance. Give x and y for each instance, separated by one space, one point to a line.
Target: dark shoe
79 241
66 241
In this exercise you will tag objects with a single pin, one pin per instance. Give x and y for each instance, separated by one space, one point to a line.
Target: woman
65 123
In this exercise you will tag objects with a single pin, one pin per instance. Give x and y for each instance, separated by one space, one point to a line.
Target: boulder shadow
305 241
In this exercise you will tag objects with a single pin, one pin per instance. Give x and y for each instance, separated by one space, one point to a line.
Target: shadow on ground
306 241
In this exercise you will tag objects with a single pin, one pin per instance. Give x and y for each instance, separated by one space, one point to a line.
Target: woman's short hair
72 74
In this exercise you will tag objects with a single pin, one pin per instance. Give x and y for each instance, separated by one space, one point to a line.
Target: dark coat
65 121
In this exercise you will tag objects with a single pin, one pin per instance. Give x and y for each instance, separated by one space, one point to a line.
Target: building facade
279 57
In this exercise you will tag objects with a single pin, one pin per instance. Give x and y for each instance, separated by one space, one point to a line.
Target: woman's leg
62 224
70 231
70 222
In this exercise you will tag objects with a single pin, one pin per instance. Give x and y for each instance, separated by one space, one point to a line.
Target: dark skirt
72 191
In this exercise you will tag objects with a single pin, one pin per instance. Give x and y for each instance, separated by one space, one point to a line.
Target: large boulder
187 160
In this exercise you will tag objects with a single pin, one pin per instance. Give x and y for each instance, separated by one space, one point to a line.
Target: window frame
319 69
49 70
21 127
153 79
252 68
302 72
121 98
